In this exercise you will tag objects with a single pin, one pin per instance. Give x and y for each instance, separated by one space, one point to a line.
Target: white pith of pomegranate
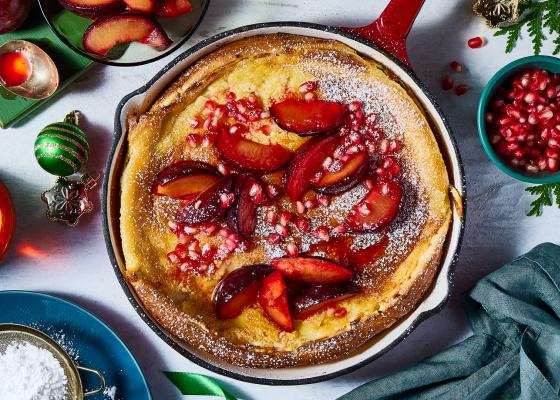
524 121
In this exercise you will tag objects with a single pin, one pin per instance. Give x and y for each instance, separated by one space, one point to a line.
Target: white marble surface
73 263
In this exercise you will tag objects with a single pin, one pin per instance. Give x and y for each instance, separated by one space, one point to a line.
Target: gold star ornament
496 12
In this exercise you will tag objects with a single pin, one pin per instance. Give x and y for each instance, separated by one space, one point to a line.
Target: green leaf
544 192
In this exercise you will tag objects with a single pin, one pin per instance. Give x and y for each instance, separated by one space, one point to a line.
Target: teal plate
89 342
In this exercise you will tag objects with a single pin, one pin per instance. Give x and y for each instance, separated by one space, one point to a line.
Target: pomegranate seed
462 89
259 198
191 230
225 200
273 191
534 153
335 166
354 106
207 141
309 204
300 207
340 229
316 178
522 163
531 168
542 143
307 87
344 131
181 251
206 250
504 120
241 118
210 105
330 310
209 230
256 188
186 266
323 200
383 147
254 116
455 66
375 134
368 184
309 97
197 204
549 153
191 140
496 103
230 96
225 232
231 245
542 162
265 114
475 42
363 209
281 230
193 245
285 217
322 233
394 145
554 143
326 163
274 238
207 123
490 117
495 138
292 250
546 115
352 150
446 83
173 258
371 120
512 146
531 97
271 217
371 146
193 122
183 237
552 164
302 224
340 313
173 226
512 111
551 92
513 161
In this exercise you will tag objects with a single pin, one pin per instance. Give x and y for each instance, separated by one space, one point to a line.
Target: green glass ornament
62 148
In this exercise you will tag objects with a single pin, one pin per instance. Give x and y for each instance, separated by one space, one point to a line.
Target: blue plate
88 341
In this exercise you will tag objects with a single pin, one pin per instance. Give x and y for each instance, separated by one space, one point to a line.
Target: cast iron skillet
433 301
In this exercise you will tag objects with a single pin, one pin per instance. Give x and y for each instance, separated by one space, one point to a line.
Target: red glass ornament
7 222
15 68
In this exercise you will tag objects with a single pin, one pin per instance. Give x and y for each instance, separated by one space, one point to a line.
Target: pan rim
118 133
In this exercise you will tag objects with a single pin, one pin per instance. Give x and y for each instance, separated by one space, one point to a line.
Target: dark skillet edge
263 381
133 64
64 300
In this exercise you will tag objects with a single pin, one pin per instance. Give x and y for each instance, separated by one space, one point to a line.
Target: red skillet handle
392 27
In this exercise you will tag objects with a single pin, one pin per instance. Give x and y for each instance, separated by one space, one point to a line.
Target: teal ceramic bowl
551 64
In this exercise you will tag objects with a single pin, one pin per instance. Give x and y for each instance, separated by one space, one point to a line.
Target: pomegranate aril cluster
524 121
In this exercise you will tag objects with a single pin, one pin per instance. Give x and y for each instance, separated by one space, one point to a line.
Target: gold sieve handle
100 377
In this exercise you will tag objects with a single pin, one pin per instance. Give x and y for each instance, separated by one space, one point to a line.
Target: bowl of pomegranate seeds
519 119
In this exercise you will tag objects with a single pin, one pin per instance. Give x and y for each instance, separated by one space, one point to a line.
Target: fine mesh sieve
14 334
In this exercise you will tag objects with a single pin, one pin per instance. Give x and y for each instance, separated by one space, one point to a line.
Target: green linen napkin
514 352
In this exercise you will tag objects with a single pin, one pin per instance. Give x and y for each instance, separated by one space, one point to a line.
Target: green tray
70 65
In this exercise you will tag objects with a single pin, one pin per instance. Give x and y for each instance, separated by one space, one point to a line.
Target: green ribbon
195 384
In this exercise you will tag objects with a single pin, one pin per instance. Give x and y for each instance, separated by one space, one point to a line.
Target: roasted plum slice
94 8
239 289
106 32
248 156
307 119
187 186
206 207
311 270
142 6
164 183
307 162
242 214
316 297
378 208
349 176
273 298
172 8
